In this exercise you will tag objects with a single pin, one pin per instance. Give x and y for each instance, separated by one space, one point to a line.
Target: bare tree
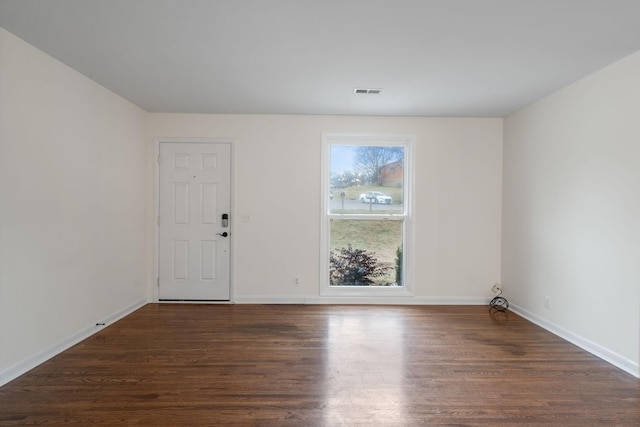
369 160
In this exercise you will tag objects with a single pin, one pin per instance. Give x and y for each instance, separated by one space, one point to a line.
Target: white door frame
156 213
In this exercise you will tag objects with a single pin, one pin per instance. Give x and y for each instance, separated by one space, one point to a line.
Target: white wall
73 190
277 161
76 180
572 212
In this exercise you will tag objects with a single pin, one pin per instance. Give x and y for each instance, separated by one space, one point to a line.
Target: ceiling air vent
367 91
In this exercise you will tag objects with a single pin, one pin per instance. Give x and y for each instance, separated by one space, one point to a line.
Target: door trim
153 286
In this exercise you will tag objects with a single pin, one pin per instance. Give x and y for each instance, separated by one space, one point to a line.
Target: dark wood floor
322 365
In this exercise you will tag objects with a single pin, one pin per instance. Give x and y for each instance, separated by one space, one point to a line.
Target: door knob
223 234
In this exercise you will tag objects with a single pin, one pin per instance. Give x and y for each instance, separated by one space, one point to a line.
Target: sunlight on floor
365 367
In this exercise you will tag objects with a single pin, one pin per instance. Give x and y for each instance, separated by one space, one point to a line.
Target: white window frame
405 141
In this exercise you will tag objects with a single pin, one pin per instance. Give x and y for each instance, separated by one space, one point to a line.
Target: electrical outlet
296 281
496 288
547 303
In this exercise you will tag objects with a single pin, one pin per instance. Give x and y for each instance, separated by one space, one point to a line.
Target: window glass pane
366 179
365 252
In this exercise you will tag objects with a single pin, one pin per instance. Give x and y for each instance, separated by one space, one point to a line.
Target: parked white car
375 197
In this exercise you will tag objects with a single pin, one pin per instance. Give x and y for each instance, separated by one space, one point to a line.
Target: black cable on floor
499 303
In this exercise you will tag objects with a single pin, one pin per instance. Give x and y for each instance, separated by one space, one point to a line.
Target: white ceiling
431 57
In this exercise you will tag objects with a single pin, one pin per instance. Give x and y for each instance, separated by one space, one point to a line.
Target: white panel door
195 196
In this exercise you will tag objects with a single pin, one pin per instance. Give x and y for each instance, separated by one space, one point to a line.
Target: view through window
366 212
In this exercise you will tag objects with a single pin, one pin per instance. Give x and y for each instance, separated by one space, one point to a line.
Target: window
366 215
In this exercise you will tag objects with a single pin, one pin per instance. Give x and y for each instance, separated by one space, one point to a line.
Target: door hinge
158 158
158 220
158 282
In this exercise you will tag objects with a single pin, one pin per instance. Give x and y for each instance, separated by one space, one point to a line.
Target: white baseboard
392 300
31 362
603 353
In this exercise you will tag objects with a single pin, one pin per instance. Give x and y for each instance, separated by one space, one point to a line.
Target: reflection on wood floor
322 365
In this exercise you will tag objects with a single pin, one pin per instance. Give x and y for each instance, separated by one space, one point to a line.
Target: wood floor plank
322 365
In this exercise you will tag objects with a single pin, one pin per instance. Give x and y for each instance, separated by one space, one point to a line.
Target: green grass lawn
380 238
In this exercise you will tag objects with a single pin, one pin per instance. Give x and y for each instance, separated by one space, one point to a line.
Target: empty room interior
300 211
